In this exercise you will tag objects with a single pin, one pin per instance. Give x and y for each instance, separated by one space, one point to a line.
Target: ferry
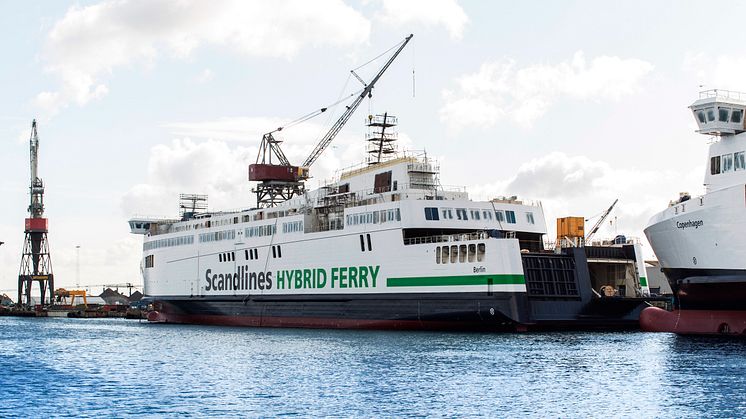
382 245
385 246
699 240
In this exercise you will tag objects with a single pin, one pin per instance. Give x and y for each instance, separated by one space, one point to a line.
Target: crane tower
36 264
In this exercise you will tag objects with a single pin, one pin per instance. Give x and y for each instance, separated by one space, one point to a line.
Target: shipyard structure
36 262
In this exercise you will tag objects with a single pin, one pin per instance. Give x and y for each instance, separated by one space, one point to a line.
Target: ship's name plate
337 277
689 224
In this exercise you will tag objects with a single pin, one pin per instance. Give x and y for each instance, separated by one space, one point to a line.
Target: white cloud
186 166
88 43
502 90
429 12
579 186
720 72
205 76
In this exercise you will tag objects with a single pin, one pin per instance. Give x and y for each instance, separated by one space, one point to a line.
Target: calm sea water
115 368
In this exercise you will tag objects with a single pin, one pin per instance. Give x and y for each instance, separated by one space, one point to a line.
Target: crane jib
279 180
327 139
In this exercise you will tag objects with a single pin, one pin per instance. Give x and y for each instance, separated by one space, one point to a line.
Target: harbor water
116 368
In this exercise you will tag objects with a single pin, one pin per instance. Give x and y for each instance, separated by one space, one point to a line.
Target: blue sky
572 103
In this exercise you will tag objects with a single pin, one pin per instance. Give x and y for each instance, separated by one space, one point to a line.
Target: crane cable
323 129
378 56
318 112
315 113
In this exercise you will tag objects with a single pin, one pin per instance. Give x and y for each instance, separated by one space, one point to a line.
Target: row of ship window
435 214
173 241
217 236
374 217
216 222
249 254
271 229
292 227
259 231
728 163
461 253
722 114
371 217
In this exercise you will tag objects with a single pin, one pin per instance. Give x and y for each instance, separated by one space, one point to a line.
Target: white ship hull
701 242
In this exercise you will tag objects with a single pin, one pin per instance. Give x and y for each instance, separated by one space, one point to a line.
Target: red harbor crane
279 180
36 264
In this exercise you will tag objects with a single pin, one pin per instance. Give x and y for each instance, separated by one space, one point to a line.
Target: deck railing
722 93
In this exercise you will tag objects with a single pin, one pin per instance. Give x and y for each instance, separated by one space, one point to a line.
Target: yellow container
570 227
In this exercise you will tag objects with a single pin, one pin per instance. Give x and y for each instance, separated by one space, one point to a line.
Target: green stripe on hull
439 281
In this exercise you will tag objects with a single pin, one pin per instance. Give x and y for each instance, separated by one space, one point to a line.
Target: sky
574 103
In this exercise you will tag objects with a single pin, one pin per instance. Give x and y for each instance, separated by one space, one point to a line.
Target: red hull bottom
694 322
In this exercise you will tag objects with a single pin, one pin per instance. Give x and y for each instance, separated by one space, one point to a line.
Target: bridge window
474 214
510 216
701 116
736 116
461 214
726 163
447 213
723 114
715 165
740 160
487 215
710 114
530 218
500 216
431 214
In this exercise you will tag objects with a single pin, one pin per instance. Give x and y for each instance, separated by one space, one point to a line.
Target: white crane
600 221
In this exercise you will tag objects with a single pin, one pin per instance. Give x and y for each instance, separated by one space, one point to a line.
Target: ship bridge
720 112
